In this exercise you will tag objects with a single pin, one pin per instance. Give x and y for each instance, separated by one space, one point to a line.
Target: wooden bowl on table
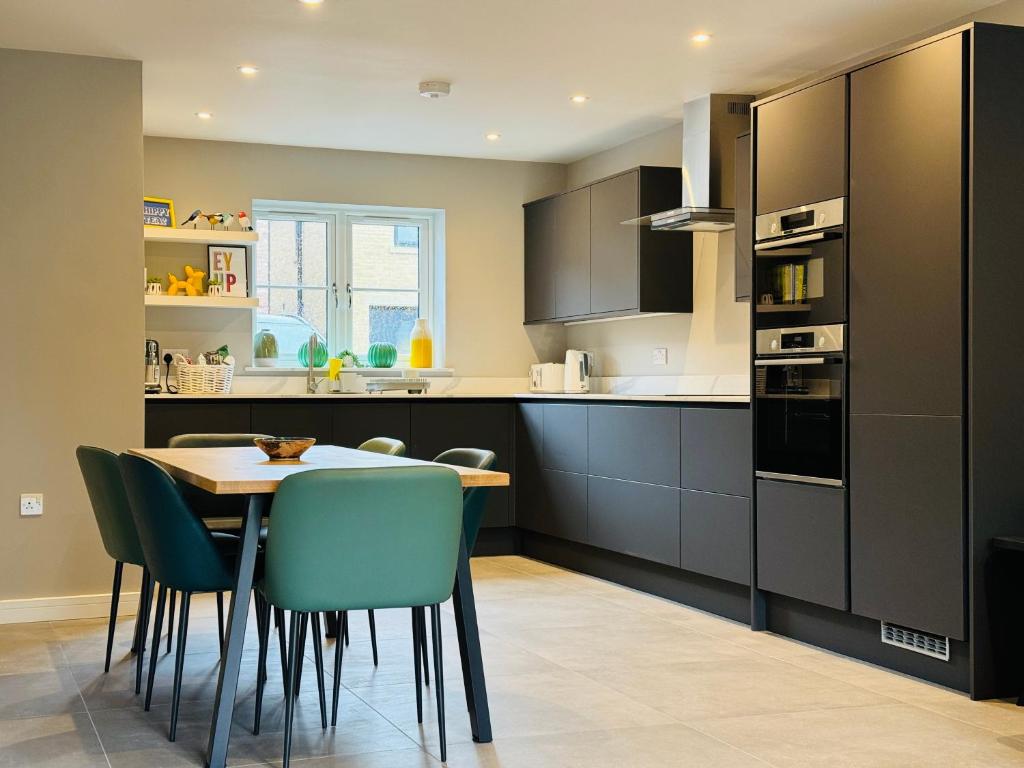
284 448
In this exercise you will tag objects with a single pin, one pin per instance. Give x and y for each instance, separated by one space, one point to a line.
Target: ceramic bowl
284 448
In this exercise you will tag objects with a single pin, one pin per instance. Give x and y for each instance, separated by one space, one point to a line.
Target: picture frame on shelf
228 263
157 212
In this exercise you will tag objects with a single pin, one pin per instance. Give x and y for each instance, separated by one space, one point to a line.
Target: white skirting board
65 607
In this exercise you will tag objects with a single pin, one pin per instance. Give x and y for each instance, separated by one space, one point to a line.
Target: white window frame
431 267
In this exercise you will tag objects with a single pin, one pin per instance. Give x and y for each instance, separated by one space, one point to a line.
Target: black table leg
238 613
469 649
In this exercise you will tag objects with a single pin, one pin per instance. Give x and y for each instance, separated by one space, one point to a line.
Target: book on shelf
790 283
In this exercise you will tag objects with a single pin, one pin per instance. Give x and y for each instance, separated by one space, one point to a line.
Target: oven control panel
795 341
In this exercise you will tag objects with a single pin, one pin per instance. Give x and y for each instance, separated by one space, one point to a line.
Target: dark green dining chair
121 541
182 554
386 445
358 539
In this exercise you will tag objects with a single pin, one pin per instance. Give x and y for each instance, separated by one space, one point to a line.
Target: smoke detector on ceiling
435 89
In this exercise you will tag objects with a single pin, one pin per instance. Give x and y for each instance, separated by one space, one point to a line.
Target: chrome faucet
312 347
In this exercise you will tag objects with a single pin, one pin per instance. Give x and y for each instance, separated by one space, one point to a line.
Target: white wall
714 339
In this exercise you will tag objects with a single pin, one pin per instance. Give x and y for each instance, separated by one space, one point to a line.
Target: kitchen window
354 275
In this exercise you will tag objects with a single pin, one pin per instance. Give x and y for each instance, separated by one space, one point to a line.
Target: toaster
547 377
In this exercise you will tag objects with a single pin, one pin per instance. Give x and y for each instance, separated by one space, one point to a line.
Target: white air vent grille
925 643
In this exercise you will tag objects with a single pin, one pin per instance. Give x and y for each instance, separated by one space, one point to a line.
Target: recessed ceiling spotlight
701 37
579 98
204 115
493 136
312 2
435 89
248 69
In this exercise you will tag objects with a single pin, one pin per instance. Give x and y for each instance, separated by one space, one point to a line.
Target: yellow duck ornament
192 285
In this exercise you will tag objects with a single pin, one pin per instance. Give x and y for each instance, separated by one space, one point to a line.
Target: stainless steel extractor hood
710 127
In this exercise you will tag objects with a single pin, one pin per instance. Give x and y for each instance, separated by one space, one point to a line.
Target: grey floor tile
34 694
57 741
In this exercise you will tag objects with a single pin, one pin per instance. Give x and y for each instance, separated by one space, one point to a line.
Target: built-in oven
800 266
799 404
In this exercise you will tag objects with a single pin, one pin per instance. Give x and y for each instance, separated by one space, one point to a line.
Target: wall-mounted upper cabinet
586 256
801 147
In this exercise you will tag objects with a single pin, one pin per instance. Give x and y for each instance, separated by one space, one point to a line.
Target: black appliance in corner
800 404
800 266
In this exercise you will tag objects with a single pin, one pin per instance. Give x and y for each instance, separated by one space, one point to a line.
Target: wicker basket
193 379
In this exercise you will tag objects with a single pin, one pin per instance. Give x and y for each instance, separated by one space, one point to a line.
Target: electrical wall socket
31 504
660 356
172 352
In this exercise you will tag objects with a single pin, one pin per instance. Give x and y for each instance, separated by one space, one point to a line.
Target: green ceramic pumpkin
319 358
382 354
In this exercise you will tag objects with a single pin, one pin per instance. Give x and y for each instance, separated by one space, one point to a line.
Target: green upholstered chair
182 554
344 540
386 445
120 539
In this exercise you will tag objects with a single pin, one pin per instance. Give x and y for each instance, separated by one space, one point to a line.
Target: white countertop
460 396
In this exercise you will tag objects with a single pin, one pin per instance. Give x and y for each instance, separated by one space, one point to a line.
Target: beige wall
714 338
482 200
70 191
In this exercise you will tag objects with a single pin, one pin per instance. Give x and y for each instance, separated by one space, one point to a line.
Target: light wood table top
247 470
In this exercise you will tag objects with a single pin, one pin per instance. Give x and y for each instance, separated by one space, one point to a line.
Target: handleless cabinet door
744 232
614 245
906 196
634 443
572 254
715 535
529 451
801 147
635 519
565 438
355 423
539 259
165 420
308 419
907 521
716 450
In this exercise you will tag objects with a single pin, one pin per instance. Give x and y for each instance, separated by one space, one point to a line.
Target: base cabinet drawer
801 542
354 423
717 450
638 443
715 535
555 503
165 420
308 420
634 519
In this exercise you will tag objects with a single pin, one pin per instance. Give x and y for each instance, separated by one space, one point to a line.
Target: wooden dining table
248 472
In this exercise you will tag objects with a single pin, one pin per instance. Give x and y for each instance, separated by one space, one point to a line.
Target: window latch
334 290
348 290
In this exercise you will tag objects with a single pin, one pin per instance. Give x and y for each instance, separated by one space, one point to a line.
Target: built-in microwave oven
800 266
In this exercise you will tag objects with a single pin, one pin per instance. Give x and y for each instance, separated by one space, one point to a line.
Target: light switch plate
660 356
31 504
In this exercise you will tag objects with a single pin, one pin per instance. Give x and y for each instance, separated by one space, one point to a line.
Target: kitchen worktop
692 398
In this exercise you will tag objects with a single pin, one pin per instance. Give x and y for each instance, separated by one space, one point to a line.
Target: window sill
397 371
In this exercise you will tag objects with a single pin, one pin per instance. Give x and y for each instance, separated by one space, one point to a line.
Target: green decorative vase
382 354
265 349
319 357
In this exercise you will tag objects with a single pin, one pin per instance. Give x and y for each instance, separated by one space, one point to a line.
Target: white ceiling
345 74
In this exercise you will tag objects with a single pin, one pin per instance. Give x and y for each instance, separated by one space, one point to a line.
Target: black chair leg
339 653
179 663
344 626
279 621
290 685
435 627
158 624
373 635
416 638
303 629
423 642
136 642
220 620
115 596
170 619
330 624
145 605
263 609
318 659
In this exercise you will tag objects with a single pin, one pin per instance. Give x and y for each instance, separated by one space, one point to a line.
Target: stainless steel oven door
800 419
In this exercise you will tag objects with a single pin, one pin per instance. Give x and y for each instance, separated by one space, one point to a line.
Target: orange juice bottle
421 346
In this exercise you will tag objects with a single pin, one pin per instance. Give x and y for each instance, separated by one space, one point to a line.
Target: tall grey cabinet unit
744 232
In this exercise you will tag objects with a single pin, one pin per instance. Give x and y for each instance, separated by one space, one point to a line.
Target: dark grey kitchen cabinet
572 253
565 438
529 457
613 268
906 195
744 232
906 521
354 423
801 147
436 427
539 259
635 519
801 542
307 419
716 450
639 443
164 420
554 504
714 535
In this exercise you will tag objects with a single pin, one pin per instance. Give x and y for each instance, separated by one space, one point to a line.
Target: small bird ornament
192 218
243 221
227 219
214 219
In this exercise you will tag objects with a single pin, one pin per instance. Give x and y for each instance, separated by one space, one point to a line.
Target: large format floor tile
581 674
